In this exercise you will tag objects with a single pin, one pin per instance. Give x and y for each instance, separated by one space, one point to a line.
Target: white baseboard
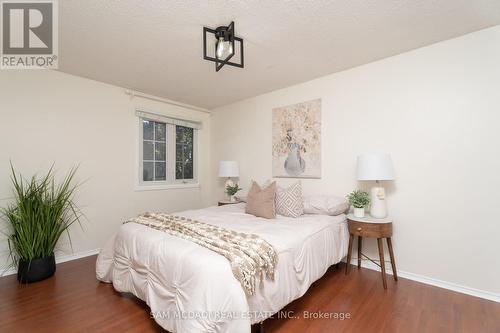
431 281
59 259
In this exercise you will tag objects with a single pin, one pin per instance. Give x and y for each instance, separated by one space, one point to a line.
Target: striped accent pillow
289 201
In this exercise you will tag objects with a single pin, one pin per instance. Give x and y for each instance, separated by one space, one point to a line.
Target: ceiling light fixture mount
224 46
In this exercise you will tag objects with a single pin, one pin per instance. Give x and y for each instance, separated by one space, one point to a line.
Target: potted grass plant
41 212
359 200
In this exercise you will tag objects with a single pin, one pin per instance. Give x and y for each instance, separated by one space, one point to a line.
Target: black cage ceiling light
225 46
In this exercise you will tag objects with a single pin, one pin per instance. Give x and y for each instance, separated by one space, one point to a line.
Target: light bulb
220 47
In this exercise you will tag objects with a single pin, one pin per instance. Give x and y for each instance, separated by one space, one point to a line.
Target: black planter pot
36 270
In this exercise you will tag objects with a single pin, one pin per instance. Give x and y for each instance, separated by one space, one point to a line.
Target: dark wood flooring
74 301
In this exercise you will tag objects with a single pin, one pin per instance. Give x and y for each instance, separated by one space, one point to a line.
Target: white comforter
192 289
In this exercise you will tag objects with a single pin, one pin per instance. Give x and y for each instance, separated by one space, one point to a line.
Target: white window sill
140 188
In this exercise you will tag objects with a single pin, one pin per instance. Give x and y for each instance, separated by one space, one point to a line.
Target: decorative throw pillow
325 205
243 196
260 201
289 201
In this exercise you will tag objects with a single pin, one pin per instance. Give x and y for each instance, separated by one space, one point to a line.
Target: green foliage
40 213
184 150
358 199
232 190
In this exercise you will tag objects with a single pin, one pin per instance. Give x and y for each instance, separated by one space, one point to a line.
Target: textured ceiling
155 46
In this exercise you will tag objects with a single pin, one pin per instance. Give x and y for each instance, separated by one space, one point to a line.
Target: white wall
436 111
50 117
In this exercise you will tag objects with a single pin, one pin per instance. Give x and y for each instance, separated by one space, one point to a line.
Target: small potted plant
41 212
231 190
359 200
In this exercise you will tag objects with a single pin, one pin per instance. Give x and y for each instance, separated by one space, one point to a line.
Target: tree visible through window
183 152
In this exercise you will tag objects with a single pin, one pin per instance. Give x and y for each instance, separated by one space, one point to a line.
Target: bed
191 289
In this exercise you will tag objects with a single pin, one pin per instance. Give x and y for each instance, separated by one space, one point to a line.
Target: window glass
160 131
147 171
160 171
147 150
154 151
147 129
184 138
160 151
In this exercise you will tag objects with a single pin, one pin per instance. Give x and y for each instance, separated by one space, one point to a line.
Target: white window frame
170 182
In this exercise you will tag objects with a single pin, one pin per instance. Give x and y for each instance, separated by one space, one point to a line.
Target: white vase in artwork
359 212
294 163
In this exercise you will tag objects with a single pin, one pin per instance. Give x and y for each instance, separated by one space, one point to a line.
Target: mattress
192 289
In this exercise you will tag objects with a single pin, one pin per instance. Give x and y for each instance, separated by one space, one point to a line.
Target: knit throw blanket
249 255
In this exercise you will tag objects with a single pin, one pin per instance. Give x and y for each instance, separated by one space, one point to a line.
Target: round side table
373 228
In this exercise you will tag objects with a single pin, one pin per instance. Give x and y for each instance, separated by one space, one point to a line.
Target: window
168 150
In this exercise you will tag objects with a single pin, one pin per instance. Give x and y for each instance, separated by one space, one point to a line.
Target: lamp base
378 208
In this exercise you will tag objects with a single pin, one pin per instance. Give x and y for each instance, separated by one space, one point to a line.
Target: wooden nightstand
375 228
227 202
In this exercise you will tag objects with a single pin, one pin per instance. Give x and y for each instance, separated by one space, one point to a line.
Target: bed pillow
289 200
260 201
243 197
325 204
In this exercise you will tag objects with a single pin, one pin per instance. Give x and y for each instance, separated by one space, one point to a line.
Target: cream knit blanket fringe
248 254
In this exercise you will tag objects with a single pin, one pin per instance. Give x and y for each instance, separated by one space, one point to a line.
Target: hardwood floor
74 301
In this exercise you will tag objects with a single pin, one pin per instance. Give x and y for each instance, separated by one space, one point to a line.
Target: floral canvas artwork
297 140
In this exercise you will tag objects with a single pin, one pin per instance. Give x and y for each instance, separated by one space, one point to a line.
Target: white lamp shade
229 169
375 167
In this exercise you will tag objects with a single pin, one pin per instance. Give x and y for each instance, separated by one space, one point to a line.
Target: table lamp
228 169
376 167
